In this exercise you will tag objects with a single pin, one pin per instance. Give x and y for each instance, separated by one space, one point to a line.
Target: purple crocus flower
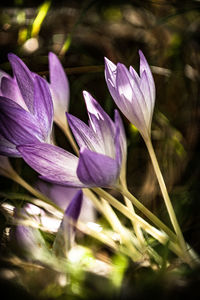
59 87
66 233
26 240
29 241
63 196
103 136
134 94
26 109
101 152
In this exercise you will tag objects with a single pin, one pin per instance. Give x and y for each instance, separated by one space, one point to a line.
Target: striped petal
101 124
24 79
43 107
95 169
17 125
7 148
83 134
10 89
52 163
110 77
59 87
144 66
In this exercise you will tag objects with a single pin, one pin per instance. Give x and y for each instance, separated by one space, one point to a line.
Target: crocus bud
59 87
134 94
66 233
26 108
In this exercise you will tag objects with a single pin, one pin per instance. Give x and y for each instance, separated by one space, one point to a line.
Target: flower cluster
133 94
29 104
26 110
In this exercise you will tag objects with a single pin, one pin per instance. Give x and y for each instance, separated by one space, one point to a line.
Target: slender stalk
94 200
157 234
165 194
117 226
106 210
148 213
145 248
136 226
103 238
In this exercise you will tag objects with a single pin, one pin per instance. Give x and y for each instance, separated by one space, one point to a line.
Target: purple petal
83 134
53 163
110 70
60 194
10 89
110 77
126 98
66 233
16 124
131 100
71 215
59 86
43 107
144 66
25 235
4 74
102 125
7 148
127 86
24 79
94 108
74 208
135 75
145 88
63 195
95 169
28 242
118 150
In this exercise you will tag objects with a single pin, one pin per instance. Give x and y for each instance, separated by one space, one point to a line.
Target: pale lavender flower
63 195
27 239
26 109
102 135
59 87
134 94
28 242
102 149
66 233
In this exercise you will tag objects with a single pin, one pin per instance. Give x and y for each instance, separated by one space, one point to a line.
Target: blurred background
81 33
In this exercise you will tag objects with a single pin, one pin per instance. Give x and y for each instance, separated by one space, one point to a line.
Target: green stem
166 198
103 238
117 226
136 226
147 213
114 221
94 200
158 235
